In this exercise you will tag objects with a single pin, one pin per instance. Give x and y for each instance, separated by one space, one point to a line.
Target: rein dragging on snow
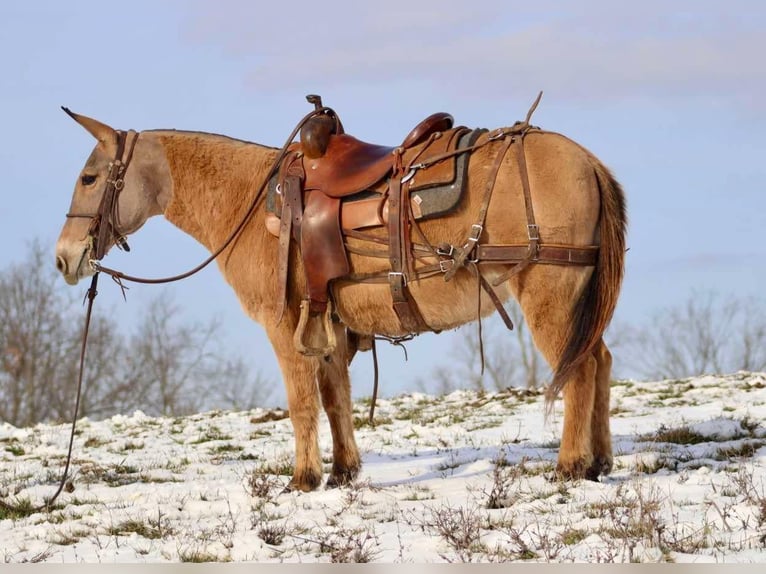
90 295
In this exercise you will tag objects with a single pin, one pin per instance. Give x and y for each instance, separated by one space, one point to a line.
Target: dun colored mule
526 191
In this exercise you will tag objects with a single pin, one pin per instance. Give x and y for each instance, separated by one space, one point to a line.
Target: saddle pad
441 199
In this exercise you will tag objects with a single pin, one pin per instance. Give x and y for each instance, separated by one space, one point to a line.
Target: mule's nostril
61 264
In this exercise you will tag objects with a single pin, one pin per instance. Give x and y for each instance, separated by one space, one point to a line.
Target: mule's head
118 189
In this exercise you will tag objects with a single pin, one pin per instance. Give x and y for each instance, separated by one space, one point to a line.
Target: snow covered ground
460 478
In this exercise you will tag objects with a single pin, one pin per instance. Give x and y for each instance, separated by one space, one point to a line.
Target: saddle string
475 269
397 342
375 380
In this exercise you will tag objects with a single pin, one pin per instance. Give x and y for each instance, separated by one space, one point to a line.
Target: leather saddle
332 181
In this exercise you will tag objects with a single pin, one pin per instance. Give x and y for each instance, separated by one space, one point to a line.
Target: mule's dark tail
594 309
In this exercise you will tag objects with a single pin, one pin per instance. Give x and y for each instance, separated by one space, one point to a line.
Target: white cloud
592 51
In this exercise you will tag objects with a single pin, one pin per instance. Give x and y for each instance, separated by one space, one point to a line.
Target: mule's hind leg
546 295
575 453
601 438
335 389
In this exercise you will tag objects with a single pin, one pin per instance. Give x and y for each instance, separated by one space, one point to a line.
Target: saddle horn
316 132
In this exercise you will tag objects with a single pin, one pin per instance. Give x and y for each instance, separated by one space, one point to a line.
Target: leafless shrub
634 519
357 546
272 532
199 555
263 484
516 547
34 559
142 528
706 334
461 528
504 490
165 367
754 494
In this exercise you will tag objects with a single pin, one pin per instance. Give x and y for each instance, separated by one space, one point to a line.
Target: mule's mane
173 131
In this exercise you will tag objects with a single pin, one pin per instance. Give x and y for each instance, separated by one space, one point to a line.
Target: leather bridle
105 221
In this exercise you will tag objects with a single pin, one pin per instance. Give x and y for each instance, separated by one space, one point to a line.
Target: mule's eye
88 179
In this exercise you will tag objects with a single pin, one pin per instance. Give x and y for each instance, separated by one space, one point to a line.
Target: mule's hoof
341 477
601 466
305 482
574 470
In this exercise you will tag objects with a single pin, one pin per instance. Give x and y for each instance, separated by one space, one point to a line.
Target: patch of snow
152 490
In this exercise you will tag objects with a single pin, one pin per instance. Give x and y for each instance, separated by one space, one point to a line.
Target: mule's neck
214 179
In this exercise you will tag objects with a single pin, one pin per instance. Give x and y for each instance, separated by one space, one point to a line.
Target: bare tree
510 358
706 334
239 389
178 368
168 366
35 341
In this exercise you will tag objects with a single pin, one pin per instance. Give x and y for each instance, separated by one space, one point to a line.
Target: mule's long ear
102 132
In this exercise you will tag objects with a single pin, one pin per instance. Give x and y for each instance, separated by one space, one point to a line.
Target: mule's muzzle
73 266
71 277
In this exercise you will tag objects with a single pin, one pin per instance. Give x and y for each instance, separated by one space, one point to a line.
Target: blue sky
670 95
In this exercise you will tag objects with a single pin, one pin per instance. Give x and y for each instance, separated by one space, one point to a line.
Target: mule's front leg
303 403
299 375
335 388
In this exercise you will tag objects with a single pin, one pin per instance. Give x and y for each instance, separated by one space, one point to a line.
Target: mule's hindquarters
567 308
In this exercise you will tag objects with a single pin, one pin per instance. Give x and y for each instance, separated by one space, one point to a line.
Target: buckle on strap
411 173
445 249
476 231
533 232
396 275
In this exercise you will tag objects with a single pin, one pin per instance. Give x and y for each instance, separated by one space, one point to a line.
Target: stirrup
301 330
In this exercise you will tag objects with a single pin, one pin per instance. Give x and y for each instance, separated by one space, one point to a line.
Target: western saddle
331 185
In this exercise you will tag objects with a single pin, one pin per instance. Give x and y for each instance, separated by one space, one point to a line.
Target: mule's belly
368 308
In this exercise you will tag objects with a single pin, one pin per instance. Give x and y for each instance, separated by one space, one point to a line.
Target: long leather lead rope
90 296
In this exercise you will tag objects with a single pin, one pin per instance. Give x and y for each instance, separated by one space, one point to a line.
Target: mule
203 183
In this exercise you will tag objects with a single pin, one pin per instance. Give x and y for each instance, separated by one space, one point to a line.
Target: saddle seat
349 165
